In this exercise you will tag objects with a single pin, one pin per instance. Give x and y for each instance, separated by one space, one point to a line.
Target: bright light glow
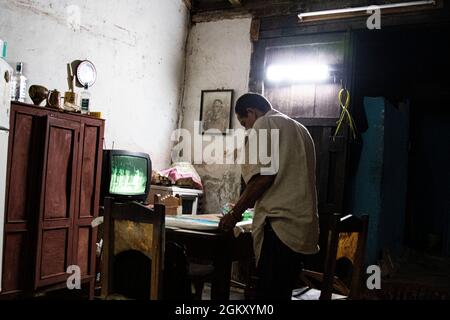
298 73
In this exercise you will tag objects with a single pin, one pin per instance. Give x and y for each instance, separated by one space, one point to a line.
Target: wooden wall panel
330 159
294 101
306 100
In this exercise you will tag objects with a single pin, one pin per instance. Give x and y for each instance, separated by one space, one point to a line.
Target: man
285 222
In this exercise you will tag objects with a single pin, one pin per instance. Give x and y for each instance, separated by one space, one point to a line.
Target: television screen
128 175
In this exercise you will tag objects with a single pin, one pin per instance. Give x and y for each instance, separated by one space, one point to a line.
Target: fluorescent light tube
361 10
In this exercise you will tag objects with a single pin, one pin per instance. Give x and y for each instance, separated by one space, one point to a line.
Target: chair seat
344 238
200 270
199 274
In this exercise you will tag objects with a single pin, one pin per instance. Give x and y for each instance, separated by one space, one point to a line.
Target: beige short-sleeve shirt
291 201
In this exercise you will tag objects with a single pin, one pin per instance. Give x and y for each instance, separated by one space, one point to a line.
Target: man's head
249 107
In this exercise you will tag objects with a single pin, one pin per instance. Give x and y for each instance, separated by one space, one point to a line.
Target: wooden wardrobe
53 189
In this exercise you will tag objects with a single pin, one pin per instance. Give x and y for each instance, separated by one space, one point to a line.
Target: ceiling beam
238 12
248 8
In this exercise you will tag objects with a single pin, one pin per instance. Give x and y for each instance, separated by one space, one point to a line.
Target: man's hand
227 222
253 191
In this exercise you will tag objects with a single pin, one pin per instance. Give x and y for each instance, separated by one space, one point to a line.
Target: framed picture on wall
216 111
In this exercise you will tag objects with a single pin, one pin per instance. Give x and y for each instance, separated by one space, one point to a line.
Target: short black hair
251 100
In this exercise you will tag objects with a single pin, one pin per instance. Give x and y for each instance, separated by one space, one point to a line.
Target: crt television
126 175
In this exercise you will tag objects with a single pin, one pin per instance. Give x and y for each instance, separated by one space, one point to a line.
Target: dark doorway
429 177
412 63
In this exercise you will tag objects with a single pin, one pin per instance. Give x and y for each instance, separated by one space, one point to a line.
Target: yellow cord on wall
344 113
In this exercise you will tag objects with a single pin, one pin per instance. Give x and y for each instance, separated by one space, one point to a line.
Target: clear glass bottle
85 97
19 84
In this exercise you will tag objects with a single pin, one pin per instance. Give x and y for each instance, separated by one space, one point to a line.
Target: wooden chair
199 273
345 238
132 227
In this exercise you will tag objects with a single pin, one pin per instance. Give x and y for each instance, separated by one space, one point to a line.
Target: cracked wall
218 56
138 48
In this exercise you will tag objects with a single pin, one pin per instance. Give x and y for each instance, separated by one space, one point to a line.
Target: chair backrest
346 238
133 227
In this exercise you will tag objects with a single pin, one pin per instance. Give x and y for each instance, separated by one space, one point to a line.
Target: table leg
220 286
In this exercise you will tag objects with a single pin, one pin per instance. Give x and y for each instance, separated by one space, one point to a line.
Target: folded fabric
184 173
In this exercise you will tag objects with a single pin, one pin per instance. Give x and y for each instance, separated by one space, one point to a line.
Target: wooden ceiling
208 5
212 9
250 5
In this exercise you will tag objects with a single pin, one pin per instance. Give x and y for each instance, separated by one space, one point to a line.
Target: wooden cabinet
53 187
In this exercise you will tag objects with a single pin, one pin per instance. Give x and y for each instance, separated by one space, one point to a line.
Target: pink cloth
176 174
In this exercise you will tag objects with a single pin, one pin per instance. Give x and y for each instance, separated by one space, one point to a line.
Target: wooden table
219 247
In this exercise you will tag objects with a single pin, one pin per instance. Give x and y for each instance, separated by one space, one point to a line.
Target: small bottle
247 215
19 84
3 45
85 100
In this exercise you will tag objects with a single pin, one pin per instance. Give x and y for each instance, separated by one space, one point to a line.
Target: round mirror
86 73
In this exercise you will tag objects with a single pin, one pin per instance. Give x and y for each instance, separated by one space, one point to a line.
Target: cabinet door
57 201
20 200
89 176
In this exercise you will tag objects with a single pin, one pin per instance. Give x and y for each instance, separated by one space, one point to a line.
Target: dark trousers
278 268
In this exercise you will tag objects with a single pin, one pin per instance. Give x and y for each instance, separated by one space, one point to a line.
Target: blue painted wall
379 185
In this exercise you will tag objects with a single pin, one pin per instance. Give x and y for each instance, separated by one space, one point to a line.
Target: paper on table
208 222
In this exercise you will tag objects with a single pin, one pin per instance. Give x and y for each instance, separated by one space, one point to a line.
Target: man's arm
257 185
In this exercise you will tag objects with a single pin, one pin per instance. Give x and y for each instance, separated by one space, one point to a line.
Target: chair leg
198 286
250 288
